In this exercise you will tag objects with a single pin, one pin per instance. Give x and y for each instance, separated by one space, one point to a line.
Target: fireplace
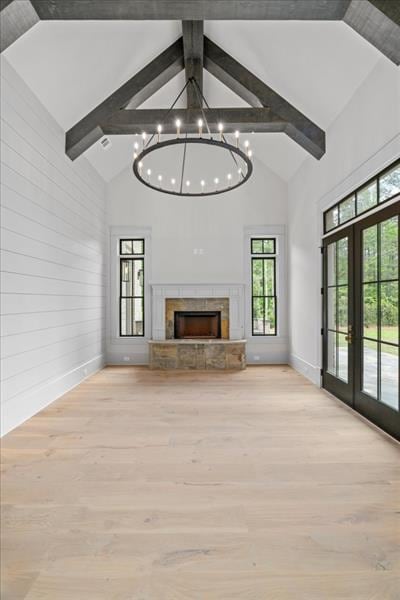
198 324
214 323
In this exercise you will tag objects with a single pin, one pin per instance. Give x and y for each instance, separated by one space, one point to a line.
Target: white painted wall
361 141
55 237
180 225
53 276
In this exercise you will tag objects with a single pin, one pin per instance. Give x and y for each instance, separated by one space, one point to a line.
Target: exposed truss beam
389 8
135 91
16 17
193 51
178 10
378 21
245 120
256 93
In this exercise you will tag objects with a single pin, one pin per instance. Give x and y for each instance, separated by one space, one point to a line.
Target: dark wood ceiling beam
389 8
179 10
16 18
378 21
246 120
256 93
134 92
193 52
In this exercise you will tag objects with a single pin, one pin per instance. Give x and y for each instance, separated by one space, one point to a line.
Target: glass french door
338 371
361 317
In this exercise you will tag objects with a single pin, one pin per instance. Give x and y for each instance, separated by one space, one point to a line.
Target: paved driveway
390 375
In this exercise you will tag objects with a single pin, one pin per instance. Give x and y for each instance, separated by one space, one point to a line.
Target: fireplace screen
197 324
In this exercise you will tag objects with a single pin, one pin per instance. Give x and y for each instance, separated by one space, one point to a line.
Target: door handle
349 336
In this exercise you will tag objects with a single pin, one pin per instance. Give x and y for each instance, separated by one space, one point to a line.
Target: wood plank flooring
141 485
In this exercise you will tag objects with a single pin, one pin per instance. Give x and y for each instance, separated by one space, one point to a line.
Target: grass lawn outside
389 334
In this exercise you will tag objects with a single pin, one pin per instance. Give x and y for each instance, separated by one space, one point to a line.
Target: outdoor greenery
380 189
389 183
381 280
263 291
380 283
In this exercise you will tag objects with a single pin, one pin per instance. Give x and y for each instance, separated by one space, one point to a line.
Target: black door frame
379 413
338 387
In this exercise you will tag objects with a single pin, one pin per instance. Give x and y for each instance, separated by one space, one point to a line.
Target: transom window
263 245
131 252
379 189
263 286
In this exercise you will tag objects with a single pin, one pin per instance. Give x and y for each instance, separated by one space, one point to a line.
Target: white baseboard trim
311 372
22 408
255 355
135 361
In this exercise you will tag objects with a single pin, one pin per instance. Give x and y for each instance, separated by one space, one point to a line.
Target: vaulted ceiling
74 65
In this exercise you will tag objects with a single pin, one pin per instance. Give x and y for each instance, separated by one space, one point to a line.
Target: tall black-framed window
131 295
379 189
263 286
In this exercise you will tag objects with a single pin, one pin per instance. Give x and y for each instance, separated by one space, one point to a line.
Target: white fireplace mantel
234 291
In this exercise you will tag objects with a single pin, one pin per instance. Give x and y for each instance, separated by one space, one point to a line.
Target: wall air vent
105 143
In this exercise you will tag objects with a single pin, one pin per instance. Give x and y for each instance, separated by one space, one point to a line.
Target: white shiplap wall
53 252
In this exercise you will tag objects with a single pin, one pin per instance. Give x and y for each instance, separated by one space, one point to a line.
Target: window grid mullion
263 257
130 298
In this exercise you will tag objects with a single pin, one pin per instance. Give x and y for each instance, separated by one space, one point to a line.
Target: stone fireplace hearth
197 354
212 337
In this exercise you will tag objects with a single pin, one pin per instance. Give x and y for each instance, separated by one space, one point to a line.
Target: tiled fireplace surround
232 294
196 304
225 353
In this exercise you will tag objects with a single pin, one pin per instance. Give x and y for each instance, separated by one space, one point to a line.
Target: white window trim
279 233
116 234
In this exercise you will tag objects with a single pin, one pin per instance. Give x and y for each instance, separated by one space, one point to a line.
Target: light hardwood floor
141 485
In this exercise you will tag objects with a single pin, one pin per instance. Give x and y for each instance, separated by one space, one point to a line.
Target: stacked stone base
202 355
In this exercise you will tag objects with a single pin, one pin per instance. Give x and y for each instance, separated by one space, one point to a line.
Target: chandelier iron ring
181 141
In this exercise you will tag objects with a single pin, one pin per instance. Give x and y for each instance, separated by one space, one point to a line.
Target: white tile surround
234 291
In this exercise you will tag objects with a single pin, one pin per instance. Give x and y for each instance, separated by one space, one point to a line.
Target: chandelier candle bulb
250 153
136 146
220 129
178 124
229 178
159 130
237 138
200 126
135 155
173 181
246 144
188 183
202 183
148 173
144 136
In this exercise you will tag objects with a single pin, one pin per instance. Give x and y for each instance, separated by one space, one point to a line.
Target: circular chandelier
201 164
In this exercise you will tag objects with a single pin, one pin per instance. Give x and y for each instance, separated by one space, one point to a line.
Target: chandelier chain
169 110
201 97
183 165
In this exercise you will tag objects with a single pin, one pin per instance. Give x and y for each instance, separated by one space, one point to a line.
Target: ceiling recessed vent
105 143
